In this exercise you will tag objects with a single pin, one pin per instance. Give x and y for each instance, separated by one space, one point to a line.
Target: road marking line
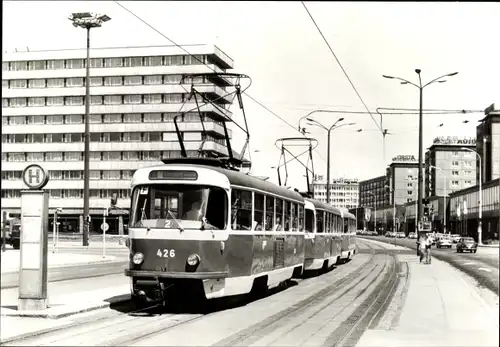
484 269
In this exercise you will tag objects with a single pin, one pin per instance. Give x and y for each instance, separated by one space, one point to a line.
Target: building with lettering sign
344 192
458 166
402 175
135 94
488 143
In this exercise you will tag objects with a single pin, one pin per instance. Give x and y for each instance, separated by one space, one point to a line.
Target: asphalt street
483 266
332 309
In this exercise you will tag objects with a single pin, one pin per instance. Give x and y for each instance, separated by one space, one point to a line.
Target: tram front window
179 206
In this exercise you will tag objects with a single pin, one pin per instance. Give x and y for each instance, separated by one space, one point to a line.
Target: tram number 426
165 253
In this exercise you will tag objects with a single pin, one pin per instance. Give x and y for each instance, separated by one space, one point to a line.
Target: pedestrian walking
421 247
428 245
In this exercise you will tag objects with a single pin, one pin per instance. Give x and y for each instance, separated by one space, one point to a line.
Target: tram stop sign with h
35 177
104 227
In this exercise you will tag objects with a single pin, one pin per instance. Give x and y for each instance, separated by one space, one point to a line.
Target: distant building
402 175
488 144
458 166
344 192
135 94
372 193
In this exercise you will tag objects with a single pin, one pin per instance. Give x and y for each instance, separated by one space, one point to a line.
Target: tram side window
279 215
319 221
269 213
332 223
345 220
327 222
286 215
293 216
309 221
258 215
241 210
301 218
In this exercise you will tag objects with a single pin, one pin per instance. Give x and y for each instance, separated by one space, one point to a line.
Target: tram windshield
179 207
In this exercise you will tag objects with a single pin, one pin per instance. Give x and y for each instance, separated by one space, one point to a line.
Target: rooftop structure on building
455 165
488 143
135 94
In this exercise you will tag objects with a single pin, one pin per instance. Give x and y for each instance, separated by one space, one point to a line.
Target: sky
293 72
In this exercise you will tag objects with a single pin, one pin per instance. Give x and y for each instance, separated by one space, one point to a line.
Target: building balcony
111 71
106 109
210 127
212 89
111 146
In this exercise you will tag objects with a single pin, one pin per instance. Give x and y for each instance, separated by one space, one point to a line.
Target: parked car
401 235
412 235
455 238
466 244
443 241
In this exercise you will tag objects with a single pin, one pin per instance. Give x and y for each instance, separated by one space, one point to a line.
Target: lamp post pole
420 134
87 21
375 208
444 197
328 130
480 197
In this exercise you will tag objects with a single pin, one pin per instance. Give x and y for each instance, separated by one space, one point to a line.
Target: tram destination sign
454 140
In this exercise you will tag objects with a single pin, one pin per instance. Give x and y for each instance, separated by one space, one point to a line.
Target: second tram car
324 228
348 246
210 230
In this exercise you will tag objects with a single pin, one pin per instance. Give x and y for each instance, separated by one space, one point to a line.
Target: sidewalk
440 306
10 260
66 298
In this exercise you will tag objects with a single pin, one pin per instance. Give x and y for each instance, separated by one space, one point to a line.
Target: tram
196 226
323 238
348 246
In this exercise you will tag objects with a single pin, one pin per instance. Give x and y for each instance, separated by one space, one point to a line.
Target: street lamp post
480 197
375 207
420 133
87 21
444 197
329 130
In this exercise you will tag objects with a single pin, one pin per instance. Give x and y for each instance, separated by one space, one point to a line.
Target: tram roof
240 179
323 206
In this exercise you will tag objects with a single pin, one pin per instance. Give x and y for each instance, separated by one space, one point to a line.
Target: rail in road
56 274
331 309
482 268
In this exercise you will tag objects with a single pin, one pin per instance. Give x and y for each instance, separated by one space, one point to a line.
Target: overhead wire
340 64
202 62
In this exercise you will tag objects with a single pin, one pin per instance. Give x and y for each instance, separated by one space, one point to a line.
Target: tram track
138 326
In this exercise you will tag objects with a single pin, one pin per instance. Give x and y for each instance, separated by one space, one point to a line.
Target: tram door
279 252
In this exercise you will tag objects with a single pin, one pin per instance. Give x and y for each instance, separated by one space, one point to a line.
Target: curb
47 315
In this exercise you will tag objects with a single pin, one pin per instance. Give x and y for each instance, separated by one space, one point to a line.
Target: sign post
34 240
104 228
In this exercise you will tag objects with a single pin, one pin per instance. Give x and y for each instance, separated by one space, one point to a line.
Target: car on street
401 235
466 244
455 238
443 241
412 235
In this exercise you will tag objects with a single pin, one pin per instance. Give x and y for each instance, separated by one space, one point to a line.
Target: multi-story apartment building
135 94
458 166
372 193
344 192
488 144
402 176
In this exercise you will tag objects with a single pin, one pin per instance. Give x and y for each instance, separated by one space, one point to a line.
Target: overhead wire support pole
420 135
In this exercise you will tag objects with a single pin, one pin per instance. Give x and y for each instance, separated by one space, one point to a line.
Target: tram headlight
193 259
138 258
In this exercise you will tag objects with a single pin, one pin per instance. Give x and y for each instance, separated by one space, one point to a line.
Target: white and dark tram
199 228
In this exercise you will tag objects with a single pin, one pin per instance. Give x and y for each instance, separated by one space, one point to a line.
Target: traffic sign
104 227
35 177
